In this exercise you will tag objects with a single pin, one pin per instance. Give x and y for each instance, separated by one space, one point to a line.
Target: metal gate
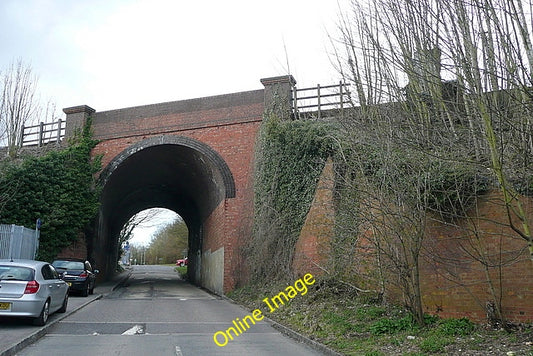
18 242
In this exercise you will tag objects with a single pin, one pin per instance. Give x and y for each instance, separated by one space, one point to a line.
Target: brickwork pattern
448 255
227 124
312 248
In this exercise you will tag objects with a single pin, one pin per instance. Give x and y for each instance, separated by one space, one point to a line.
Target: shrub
434 343
456 327
58 187
392 326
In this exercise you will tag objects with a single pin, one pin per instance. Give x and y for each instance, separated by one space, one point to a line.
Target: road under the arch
176 176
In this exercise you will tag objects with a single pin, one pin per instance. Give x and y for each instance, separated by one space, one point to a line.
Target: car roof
70 259
23 263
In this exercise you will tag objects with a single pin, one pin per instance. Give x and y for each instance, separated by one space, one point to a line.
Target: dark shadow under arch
172 172
213 156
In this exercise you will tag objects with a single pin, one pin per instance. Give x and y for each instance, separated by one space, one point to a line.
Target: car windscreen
70 265
16 273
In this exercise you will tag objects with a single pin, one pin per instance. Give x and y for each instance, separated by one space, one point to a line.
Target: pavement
14 339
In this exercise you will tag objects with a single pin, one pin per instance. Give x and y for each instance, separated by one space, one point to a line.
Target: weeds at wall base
351 325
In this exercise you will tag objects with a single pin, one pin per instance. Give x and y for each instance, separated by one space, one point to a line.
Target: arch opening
177 173
154 236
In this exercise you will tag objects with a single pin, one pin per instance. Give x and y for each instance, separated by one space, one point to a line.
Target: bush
370 312
59 188
456 327
434 343
289 161
392 326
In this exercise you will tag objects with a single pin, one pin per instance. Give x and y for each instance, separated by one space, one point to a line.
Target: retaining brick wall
453 283
311 253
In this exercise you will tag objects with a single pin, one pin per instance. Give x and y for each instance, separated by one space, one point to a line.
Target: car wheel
85 291
64 306
43 318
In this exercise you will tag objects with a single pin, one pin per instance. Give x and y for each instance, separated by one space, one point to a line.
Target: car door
91 274
55 286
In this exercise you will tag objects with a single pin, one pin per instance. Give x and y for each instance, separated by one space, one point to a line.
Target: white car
31 289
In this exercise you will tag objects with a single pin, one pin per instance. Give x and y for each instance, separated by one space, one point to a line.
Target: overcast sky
114 54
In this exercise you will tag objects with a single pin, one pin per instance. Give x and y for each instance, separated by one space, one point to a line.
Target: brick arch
201 155
202 148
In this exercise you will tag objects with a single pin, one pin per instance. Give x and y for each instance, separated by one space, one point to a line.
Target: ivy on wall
446 187
58 188
289 161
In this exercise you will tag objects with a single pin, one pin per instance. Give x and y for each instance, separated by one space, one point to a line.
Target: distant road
155 313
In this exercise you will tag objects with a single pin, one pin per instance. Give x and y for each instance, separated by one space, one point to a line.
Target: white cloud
112 54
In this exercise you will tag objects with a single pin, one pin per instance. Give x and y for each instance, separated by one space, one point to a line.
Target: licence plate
5 306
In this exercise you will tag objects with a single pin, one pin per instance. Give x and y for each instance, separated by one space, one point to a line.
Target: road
156 313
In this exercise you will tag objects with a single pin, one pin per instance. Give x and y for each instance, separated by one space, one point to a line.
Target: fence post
22 135
341 98
12 242
295 102
318 96
41 129
58 131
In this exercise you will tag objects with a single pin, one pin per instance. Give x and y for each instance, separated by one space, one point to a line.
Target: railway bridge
194 157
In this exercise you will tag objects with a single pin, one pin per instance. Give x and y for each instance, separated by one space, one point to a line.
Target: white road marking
137 329
178 351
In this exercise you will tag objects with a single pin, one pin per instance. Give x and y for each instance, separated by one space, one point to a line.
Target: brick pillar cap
278 80
79 109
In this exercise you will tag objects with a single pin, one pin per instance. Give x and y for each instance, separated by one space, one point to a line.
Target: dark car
78 273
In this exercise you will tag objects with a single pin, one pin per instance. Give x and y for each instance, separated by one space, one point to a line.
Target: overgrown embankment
57 187
289 161
395 198
338 316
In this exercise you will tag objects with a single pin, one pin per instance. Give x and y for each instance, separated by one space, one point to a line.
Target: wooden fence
321 101
43 133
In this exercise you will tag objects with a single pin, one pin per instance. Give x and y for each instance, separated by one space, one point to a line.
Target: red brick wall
230 131
455 284
312 248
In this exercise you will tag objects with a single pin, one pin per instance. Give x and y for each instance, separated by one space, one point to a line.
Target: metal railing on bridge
43 133
321 101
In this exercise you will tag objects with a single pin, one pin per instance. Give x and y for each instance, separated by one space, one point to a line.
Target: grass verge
336 316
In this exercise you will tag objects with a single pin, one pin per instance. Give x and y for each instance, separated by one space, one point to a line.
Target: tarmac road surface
156 313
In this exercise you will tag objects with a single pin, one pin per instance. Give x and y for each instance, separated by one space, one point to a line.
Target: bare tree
487 42
144 219
395 53
18 103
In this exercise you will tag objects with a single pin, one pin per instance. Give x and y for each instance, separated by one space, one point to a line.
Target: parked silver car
31 289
